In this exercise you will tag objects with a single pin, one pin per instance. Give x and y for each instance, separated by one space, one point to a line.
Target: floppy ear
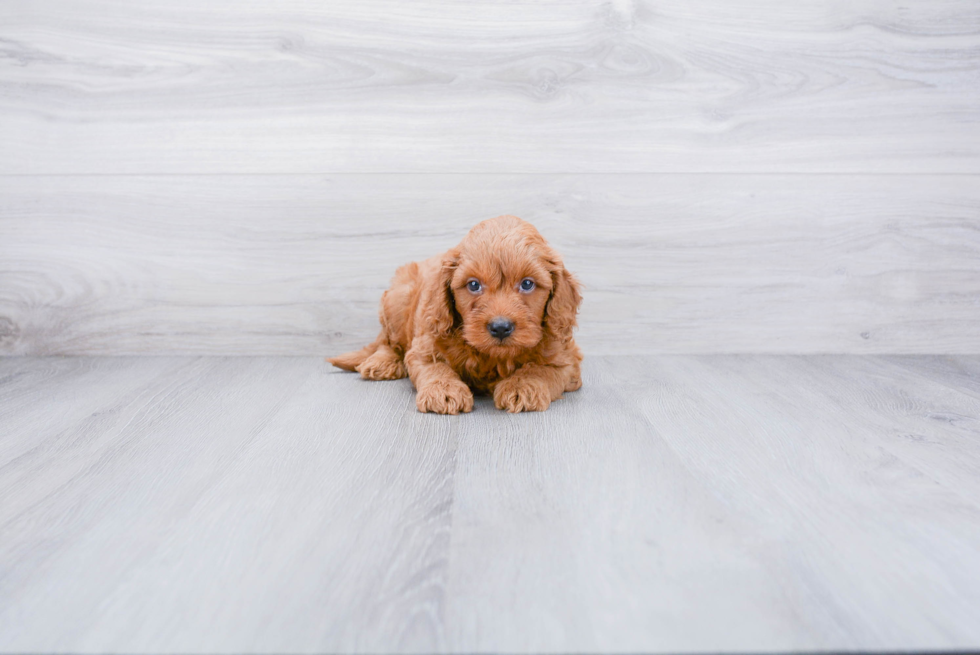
438 307
566 296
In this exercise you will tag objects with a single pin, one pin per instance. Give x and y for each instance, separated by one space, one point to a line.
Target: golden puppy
494 314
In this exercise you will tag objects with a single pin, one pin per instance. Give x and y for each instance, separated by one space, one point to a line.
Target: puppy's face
501 294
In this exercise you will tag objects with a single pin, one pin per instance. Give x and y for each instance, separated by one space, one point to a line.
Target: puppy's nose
500 327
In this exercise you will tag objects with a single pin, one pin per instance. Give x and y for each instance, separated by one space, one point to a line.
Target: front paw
444 398
522 395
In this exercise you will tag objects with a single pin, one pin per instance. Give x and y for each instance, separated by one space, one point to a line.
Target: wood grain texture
175 86
803 483
295 265
268 485
674 504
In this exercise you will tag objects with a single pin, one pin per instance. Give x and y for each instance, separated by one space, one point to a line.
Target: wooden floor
676 503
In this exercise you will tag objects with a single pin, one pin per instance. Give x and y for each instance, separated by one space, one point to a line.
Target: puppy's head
508 288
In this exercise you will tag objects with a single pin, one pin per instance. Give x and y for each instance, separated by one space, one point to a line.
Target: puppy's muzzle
500 328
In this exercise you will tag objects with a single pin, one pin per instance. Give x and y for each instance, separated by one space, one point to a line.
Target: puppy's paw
444 398
383 365
522 395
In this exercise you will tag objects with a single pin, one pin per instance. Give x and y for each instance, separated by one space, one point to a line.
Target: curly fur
434 329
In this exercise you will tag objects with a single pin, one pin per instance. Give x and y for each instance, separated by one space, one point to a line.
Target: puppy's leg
574 382
438 388
384 364
532 387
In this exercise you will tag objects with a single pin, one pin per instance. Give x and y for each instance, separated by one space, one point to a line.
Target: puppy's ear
438 306
566 296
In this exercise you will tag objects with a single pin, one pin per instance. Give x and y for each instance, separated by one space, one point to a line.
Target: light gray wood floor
676 503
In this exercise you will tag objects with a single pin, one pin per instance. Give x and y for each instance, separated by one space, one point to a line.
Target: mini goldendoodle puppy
494 314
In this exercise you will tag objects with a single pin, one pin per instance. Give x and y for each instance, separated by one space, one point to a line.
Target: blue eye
474 286
527 284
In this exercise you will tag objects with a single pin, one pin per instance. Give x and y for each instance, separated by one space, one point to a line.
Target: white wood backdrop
243 177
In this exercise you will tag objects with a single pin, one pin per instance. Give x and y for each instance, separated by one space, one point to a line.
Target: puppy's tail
350 361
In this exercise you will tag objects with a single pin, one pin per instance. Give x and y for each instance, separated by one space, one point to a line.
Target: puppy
493 315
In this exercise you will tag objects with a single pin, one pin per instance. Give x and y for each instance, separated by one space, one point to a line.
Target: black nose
500 327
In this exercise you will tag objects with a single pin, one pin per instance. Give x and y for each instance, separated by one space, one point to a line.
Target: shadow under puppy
492 315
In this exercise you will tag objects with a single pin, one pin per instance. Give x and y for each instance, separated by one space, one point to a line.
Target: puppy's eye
474 286
527 284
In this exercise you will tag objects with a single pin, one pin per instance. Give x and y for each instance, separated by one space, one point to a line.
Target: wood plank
73 386
613 524
295 265
260 505
675 504
175 86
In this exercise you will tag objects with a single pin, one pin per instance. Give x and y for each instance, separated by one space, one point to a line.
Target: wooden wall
244 177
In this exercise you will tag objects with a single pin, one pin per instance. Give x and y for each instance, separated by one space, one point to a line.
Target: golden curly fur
493 315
